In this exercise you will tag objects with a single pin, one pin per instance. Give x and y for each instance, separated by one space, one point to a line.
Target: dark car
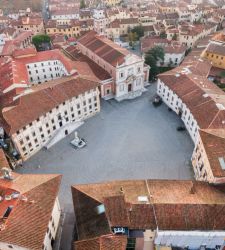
181 128
157 101
3 144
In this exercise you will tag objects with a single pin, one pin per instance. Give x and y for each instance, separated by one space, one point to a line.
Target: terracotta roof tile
105 242
218 49
170 205
104 48
86 66
3 161
19 113
14 69
214 145
200 96
28 216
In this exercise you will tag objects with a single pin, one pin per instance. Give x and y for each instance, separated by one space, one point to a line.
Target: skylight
222 162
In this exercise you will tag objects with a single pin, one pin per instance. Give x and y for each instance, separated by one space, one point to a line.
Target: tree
163 34
39 40
132 36
222 74
139 30
174 37
197 21
153 56
82 4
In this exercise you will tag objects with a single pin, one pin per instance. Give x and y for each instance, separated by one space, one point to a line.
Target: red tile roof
28 21
203 98
3 161
86 66
218 49
104 48
104 242
170 205
170 47
28 221
213 142
149 42
19 114
15 71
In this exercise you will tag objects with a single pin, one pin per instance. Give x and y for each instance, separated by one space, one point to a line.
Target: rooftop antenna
193 188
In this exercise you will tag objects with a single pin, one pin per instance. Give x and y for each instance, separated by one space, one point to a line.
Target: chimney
193 188
7 175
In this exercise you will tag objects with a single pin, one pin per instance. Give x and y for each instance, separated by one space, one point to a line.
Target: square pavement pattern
127 140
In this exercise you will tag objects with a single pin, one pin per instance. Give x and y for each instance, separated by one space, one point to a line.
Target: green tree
153 56
222 74
82 4
132 36
139 30
174 37
199 21
39 40
163 34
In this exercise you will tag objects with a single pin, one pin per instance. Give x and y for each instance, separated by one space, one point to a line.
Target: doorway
129 87
66 132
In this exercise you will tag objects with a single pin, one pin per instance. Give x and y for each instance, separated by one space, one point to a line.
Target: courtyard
127 140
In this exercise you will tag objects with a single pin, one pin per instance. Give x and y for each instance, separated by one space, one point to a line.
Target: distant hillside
8 5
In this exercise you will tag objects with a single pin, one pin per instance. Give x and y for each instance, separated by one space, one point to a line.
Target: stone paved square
127 140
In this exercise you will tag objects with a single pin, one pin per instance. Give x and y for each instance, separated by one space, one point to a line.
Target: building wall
190 40
175 103
65 16
201 165
128 77
113 33
52 226
191 239
100 25
46 70
7 246
216 59
39 28
112 2
50 231
73 31
35 135
3 38
172 59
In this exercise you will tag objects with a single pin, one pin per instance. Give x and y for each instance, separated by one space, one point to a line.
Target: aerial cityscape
112 124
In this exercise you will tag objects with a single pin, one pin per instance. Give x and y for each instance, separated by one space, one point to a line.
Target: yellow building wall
70 32
217 60
112 2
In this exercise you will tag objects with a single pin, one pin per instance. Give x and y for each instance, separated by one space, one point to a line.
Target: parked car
3 144
181 128
157 101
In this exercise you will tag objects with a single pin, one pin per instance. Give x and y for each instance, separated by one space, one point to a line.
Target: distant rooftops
14 70
218 49
171 47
